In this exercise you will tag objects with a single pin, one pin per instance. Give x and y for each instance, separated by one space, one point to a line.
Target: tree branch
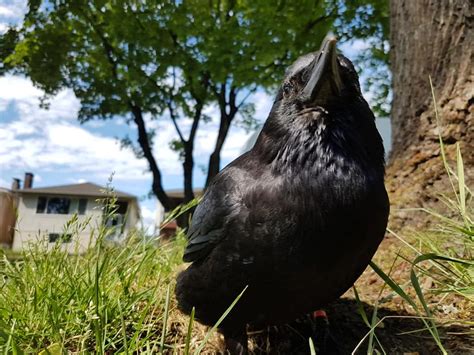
144 142
174 120
242 102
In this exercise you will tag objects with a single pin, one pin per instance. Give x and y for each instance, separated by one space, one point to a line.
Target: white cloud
6 11
13 9
74 151
18 88
11 13
25 96
77 181
40 139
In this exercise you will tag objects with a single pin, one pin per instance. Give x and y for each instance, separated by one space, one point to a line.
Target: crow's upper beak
323 68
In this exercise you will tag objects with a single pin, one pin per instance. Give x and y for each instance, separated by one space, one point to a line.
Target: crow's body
297 218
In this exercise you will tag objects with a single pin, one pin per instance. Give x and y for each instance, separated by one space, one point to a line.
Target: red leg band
320 314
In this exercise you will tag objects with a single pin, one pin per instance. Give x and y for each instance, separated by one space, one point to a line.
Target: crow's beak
323 69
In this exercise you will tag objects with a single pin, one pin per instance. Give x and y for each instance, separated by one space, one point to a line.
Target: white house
43 215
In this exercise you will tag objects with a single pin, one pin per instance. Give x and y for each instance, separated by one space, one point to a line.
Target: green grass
113 298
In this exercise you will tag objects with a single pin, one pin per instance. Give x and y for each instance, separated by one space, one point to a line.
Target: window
63 238
82 205
41 206
122 207
53 205
58 205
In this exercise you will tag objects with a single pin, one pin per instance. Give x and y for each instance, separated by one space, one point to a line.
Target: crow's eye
287 88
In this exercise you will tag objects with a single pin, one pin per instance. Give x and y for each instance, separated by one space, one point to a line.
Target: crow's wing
208 226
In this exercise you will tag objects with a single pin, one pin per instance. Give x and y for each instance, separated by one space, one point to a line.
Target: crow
296 219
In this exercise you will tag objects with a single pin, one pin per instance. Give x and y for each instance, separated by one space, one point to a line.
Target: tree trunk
215 158
143 140
429 38
188 166
224 126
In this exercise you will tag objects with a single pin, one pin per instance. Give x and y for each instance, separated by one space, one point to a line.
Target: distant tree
429 38
168 60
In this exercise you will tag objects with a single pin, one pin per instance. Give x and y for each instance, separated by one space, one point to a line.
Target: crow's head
319 79
319 108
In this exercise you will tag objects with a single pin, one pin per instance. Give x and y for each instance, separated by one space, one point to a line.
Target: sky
59 150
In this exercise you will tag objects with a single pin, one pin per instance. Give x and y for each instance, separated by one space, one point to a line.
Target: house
43 213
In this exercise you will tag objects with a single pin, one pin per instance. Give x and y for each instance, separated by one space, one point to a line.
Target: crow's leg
322 338
235 341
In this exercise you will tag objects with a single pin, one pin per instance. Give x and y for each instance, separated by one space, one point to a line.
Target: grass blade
165 319
429 324
461 181
188 335
312 350
209 333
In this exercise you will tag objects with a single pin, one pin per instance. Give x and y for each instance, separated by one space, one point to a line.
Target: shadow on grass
347 328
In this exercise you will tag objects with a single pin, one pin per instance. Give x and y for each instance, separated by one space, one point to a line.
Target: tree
168 60
429 38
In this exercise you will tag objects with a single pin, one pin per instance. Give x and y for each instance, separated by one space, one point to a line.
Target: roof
84 189
5 191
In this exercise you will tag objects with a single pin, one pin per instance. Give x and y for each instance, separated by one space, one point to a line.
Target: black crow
298 217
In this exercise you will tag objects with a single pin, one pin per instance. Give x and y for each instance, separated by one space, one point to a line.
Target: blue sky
58 150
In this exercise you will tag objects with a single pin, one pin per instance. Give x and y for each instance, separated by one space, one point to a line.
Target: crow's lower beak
323 69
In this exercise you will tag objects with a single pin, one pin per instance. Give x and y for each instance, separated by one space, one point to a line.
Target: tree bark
188 163
429 38
143 140
215 158
226 119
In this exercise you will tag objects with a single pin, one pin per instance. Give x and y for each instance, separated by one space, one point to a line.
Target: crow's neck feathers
316 140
